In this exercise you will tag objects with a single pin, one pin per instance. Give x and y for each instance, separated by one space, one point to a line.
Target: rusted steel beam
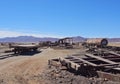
105 65
109 58
76 61
111 52
71 63
92 64
85 61
54 62
100 58
114 53
117 68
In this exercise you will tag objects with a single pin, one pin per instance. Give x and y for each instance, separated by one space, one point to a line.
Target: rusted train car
96 42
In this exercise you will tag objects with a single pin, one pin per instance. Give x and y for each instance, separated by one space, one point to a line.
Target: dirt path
27 69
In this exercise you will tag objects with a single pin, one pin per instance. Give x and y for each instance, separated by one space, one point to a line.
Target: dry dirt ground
26 69
114 44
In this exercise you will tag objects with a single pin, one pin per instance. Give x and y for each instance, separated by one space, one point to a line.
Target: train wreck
65 43
18 49
96 42
99 60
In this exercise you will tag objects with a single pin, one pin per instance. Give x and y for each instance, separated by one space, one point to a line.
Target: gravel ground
33 69
57 76
26 69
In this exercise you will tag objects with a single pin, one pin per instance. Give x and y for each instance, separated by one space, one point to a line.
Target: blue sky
60 18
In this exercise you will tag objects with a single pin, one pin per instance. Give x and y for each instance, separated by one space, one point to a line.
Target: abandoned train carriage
96 42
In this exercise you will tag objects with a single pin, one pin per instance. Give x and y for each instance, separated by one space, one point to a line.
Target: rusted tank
97 42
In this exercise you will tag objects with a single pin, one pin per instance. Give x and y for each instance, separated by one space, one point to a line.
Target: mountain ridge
38 39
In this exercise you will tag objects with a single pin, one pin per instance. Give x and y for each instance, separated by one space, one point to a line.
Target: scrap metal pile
66 43
99 60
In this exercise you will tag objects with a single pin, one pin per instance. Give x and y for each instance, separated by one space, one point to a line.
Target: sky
60 18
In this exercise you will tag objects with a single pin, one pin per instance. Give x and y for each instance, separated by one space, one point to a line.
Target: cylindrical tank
97 41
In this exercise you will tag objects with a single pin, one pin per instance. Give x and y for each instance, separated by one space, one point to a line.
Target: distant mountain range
114 39
26 39
37 39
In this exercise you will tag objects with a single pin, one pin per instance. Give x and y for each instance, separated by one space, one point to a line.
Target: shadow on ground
29 53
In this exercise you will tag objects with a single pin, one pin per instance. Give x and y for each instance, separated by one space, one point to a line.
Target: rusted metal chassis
18 49
91 62
100 74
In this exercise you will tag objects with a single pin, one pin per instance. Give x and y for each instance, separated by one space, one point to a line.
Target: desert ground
26 69
33 68
114 44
